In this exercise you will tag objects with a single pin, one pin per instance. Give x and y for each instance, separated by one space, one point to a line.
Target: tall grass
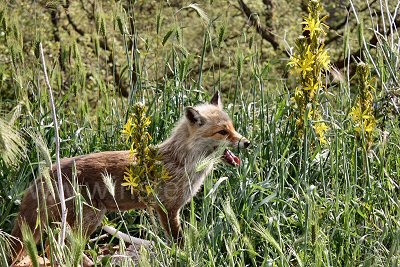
286 204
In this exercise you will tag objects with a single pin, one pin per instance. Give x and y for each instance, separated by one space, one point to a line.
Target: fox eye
223 132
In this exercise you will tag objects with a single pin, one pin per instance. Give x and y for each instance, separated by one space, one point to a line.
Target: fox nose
246 143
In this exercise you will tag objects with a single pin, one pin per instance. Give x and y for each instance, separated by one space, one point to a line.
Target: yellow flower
369 126
128 129
131 182
313 25
355 113
310 113
148 189
307 63
294 62
320 129
311 86
324 59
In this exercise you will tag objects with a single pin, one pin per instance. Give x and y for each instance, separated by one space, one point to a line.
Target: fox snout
240 141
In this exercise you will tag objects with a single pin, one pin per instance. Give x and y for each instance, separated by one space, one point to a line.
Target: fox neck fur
181 154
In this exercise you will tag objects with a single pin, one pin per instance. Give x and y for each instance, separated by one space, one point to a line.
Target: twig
97 238
127 238
58 167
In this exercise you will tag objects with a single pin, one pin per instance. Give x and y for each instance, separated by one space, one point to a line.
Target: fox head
211 127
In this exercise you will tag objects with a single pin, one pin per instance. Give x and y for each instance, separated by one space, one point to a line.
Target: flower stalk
362 113
310 63
146 170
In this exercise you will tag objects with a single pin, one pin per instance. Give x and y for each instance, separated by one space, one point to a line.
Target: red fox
202 130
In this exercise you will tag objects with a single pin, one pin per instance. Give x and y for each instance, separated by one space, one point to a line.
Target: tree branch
103 45
372 42
261 29
90 15
340 25
55 16
269 13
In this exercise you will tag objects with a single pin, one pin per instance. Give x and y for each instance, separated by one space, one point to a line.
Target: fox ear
216 100
194 116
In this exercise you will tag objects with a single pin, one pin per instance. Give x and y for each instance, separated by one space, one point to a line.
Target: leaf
166 37
159 22
221 34
215 187
120 25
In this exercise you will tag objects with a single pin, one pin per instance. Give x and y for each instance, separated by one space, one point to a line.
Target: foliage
12 146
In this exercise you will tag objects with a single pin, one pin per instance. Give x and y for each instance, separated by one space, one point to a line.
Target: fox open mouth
230 158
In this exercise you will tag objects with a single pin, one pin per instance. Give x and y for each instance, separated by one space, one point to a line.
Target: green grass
291 202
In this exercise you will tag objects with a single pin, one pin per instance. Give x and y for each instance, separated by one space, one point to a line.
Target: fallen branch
127 238
97 238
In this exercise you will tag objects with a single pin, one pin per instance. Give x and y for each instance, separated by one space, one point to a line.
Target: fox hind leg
32 211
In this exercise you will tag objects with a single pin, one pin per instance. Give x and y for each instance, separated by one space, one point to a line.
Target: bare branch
344 21
337 27
261 29
90 14
127 238
58 167
372 42
269 12
70 21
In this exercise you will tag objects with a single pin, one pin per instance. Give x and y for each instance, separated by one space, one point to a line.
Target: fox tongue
231 158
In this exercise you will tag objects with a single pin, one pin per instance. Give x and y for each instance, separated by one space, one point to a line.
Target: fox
203 130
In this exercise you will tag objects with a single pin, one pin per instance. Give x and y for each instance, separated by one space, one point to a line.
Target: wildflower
310 61
128 130
131 182
311 86
320 129
362 114
146 171
148 189
314 24
306 64
324 59
298 92
369 125
355 112
310 112
294 62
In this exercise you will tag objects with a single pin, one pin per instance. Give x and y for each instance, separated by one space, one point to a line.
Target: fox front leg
170 221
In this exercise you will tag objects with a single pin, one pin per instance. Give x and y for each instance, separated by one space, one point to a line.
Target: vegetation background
293 201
